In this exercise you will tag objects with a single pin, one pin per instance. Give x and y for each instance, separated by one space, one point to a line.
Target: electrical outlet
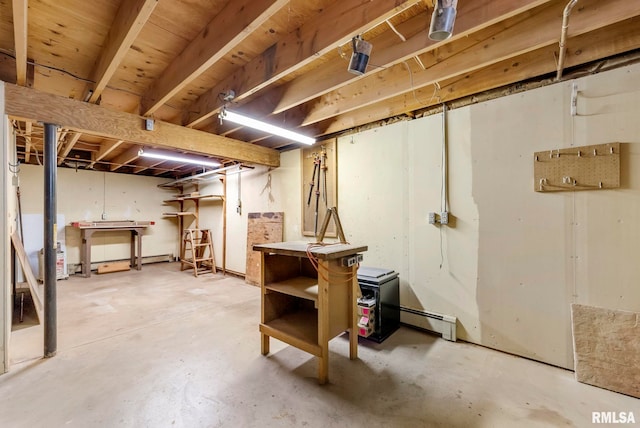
444 217
432 218
104 216
352 260
148 124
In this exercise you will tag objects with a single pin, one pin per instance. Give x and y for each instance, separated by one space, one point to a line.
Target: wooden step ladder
197 251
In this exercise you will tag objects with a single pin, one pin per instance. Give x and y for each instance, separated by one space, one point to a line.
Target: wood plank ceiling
286 61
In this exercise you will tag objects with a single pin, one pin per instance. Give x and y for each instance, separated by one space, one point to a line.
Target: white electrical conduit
563 36
404 39
443 204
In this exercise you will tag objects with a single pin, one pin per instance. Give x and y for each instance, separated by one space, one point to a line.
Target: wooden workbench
304 307
87 229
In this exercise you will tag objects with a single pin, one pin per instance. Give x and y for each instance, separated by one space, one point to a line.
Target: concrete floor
160 348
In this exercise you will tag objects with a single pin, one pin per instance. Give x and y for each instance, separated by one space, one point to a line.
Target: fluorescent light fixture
266 127
170 156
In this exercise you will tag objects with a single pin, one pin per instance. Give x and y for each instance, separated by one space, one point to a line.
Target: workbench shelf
297 326
300 286
303 308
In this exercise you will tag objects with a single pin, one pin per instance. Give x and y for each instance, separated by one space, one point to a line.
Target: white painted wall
84 195
256 196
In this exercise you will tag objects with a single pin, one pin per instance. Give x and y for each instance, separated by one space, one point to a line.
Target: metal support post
50 237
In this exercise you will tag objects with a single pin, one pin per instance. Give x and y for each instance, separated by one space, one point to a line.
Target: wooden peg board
309 207
577 168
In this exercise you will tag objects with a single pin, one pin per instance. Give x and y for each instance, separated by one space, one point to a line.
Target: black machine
380 296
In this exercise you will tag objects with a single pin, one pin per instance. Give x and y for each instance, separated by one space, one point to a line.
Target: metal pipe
50 237
563 36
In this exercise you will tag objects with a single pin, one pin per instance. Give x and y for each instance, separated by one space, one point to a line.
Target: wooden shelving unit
304 308
184 212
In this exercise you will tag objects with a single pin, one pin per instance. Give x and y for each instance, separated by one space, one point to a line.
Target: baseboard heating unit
437 323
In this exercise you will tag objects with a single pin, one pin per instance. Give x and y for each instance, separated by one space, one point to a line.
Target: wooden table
87 228
304 307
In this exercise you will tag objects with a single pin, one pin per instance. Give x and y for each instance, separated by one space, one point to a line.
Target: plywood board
577 168
28 273
262 228
607 348
114 267
322 193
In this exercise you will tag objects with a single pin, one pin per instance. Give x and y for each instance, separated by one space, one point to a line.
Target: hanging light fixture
171 156
360 55
442 20
264 126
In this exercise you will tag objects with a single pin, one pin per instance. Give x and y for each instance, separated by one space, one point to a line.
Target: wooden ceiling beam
105 149
130 18
332 27
389 50
537 31
584 49
124 158
71 140
25 103
20 8
234 23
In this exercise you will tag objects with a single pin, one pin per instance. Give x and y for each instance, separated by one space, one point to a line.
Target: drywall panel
443 259
524 260
608 233
372 201
86 195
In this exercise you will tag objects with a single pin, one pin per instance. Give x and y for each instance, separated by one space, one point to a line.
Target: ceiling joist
20 8
225 31
125 158
584 49
70 141
105 149
332 27
537 31
131 17
388 51
147 163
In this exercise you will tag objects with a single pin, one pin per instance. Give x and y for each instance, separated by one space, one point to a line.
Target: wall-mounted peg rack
577 168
